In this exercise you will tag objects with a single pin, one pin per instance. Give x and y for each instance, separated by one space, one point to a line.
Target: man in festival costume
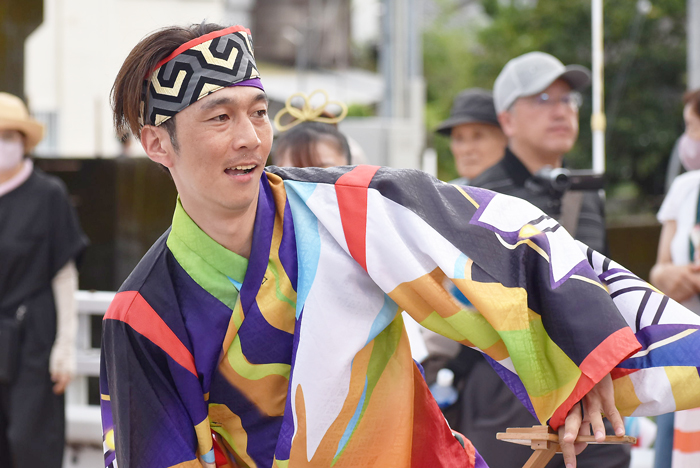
263 328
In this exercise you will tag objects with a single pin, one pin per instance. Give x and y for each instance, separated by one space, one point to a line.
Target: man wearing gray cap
537 100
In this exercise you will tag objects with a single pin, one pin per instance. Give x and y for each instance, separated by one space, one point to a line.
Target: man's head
194 99
476 139
537 101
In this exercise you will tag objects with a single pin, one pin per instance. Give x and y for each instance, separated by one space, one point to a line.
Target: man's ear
156 142
505 118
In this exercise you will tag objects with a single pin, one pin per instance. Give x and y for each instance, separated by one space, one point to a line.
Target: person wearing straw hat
476 139
40 243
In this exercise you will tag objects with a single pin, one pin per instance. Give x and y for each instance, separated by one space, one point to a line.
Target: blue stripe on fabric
460 266
682 352
384 318
307 236
353 422
209 457
235 283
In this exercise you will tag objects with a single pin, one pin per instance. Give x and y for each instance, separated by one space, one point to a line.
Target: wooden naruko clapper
545 442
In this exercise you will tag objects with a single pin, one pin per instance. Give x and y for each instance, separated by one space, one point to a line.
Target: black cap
473 105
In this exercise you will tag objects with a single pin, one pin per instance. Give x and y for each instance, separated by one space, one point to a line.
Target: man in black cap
476 139
537 100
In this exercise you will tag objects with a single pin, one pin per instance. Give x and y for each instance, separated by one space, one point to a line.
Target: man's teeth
243 168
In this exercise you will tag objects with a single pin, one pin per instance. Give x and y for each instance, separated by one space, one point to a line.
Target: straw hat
14 116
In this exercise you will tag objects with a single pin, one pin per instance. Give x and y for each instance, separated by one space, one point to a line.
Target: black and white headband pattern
196 69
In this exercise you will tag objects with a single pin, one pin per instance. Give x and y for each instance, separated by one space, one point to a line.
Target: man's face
223 142
544 123
476 147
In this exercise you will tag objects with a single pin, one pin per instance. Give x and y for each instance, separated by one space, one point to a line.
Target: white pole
598 117
693 43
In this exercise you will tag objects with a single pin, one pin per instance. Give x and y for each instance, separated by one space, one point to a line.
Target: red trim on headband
189 44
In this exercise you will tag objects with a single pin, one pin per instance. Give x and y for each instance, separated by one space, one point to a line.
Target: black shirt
39 234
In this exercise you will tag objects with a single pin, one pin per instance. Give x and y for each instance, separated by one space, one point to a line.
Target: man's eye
221 118
261 113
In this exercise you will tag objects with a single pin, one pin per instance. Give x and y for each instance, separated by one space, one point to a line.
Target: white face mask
11 154
689 150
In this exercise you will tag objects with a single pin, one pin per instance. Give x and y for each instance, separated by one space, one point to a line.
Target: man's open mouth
240 170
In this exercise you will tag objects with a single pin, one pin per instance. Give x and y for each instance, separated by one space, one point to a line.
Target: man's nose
246 134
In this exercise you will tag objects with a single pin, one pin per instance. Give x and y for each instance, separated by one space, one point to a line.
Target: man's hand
600 400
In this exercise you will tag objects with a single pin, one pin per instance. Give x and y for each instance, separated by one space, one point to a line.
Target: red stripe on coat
131 308
351 190
601 361
434 445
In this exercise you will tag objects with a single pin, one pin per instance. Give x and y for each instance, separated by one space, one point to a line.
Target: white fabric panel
340 334
653 387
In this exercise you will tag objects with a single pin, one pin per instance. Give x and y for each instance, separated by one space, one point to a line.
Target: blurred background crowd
398 70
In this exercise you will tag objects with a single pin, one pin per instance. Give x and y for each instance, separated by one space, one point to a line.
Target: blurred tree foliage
645 75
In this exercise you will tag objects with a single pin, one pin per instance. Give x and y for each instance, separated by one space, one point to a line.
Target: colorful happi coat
298 356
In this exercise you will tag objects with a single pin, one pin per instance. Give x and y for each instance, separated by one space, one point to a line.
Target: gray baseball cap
532 73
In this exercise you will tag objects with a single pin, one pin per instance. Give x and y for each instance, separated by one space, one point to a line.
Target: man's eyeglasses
572 100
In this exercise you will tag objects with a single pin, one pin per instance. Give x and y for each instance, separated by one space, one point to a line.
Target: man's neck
232 229
533 159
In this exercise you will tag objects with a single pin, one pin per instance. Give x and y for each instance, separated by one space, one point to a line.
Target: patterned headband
196 69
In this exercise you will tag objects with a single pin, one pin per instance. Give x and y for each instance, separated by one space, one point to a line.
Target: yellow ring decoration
308 113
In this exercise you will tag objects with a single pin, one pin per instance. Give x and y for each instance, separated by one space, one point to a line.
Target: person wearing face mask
40 243
677 273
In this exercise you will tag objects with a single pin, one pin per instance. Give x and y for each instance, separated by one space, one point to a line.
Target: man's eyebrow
262 96
223 101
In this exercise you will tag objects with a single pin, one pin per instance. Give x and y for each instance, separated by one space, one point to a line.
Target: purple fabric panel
479 461
481 196
284 440
261 342
207 330
288 247
653 334
262 430
253 82
682 352
514 383
260 249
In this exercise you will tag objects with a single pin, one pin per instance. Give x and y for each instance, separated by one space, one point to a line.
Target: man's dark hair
139 64
301 141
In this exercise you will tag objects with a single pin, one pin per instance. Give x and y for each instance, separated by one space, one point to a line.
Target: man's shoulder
151 265
495 178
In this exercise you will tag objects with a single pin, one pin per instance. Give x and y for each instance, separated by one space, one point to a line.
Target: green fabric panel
542 366
209 263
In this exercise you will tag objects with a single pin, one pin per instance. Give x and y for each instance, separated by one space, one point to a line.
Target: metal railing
83 423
